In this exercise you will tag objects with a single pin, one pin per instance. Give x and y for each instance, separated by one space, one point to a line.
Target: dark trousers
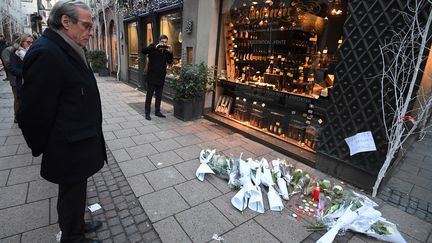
157 89
70 209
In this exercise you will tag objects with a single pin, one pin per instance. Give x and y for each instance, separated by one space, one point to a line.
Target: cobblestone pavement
151 172
124 217
410 187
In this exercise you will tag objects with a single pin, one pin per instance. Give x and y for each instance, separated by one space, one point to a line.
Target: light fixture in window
180 37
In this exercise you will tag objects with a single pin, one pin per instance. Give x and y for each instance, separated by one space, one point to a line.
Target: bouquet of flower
249 195
205 157
221 165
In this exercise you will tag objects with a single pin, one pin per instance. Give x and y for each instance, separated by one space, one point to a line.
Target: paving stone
109 135
115 120
15 161
411 225
219 183
189 139
410 210
189 153
277 224
141 151
196 192
136 166
231 141
420 192
235 152
53 210
166 145
188 168
126 133
4 174
208 136
148 129
187 130
41 189
130 124
249 232
120 143
166 134
8 150
165 177
213 145
420 214
121 155
165 159
150 236
162 204
223 204
423 205
12 239
167 125
13 195
202 221
110 127
398 184
24 218
140 185
15 140
24 174
170 231
145 138
42 235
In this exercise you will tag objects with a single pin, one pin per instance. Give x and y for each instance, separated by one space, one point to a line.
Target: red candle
316 192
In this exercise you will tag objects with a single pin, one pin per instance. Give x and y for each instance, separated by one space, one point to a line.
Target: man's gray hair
68 8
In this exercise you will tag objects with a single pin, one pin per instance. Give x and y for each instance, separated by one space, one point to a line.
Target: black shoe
147 116
92 226
87 240
160 114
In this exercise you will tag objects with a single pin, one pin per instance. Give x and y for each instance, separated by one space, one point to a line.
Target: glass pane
133 45
149 34
171 26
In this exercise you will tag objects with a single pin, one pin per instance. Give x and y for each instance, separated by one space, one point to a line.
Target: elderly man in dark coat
61 116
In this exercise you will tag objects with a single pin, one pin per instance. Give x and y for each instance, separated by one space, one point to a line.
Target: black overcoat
60 114
158 60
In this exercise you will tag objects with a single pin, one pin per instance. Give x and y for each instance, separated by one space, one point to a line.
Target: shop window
133 45
278 64
171 26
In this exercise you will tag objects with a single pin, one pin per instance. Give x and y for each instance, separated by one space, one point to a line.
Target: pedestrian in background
61 115
159 55
17 61
5 56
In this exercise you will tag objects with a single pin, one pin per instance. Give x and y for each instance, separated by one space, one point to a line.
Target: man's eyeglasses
87 25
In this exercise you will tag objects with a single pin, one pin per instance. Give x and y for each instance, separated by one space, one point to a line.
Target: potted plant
98 62
192 82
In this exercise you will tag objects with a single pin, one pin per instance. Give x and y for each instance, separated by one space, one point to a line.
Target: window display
171 26
133 45
279 61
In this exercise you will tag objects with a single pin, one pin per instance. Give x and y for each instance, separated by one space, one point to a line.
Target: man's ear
66 22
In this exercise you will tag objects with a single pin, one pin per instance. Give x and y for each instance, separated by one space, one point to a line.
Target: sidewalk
148 190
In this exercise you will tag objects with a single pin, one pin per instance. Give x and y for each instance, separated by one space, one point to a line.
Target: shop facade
301 76
142 26
298 76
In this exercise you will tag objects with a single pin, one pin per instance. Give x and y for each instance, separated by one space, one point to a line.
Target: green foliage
98 59
194 80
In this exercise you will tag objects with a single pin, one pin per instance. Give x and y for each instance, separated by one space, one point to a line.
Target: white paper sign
361 142
94 207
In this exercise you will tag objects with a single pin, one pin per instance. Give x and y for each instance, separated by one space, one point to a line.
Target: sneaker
147 117
160 114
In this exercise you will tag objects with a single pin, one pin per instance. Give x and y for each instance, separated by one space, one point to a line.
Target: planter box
103 72
188 110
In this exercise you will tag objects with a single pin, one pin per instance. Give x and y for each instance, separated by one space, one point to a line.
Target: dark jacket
60 115
158 60
5 57
16 67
